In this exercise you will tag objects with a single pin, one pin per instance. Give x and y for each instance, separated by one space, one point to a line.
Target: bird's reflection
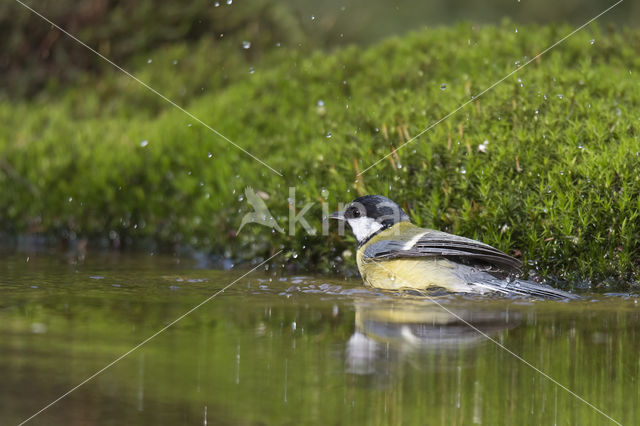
390 330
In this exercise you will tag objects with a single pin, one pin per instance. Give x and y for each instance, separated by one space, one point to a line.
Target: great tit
394 254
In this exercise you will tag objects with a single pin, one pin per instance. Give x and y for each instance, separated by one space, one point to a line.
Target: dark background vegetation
36 56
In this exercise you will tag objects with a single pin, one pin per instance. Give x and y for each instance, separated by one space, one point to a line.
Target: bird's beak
336 215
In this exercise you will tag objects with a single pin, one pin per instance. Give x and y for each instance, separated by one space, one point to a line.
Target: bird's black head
369 215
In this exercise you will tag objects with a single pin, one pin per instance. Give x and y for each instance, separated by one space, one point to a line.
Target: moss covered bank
543 166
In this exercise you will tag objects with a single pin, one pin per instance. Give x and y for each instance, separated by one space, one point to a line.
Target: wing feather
441 244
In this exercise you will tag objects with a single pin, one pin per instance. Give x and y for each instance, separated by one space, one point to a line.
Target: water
298 349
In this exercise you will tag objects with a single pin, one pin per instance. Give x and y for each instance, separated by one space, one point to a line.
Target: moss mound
543 165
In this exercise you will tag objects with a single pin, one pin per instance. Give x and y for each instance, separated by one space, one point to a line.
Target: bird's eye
355 212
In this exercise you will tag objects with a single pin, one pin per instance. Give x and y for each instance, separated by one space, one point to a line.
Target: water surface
276 349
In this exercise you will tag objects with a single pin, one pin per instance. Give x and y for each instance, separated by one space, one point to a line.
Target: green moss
557 184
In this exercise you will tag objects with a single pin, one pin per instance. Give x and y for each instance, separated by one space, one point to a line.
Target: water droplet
537 112
144 143
294 255
516 30
278 44
313 18
216 4
320 103
517 63
329 135
251 70
70 199
246 44
209 155
463 170
240 198
592 41
443 86
175 62
560 96
149 60
229 1
521 83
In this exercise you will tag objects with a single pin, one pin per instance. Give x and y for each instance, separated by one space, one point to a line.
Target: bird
395 254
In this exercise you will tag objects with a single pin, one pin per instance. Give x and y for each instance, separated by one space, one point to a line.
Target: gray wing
442 244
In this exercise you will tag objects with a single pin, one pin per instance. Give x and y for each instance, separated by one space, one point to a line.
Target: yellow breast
409 273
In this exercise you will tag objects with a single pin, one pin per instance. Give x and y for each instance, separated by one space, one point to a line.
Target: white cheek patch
364 227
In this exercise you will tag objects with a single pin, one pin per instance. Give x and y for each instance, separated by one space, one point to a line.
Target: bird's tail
525 288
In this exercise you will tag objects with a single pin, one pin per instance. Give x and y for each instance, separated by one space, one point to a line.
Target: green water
276 349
